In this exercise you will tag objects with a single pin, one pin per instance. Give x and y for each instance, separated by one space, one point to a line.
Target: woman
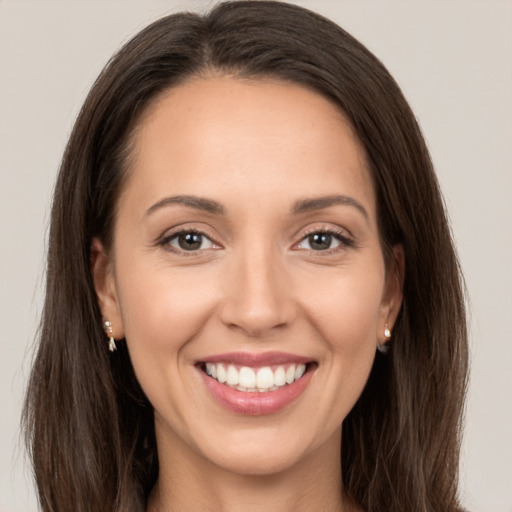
250 272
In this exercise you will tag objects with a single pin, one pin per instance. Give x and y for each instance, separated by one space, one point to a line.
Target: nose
257 294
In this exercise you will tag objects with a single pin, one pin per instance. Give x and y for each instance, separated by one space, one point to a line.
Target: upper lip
255 359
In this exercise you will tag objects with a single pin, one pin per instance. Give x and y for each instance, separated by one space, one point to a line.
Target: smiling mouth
256 379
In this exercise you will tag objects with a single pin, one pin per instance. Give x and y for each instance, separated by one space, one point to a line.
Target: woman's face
247 274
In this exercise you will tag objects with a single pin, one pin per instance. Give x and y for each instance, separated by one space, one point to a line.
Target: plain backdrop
453 60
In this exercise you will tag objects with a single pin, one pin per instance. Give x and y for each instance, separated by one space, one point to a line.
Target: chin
257 463
266 452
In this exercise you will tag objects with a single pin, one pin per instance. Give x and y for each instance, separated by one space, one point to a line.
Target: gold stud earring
107 326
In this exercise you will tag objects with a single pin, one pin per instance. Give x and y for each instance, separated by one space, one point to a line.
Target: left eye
190 241
320 241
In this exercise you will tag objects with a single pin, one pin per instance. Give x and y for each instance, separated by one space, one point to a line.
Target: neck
313 484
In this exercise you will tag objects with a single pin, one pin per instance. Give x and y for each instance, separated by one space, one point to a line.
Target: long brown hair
89 426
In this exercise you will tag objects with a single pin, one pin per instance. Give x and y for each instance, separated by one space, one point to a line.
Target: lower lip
256 403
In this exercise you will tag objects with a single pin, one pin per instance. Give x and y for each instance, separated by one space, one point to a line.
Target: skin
255 285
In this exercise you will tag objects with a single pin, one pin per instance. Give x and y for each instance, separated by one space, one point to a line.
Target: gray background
453 61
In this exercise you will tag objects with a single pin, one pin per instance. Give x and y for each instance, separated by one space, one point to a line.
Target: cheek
346 316
162 308
345 307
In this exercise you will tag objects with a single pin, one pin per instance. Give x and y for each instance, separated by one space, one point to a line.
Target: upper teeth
245 378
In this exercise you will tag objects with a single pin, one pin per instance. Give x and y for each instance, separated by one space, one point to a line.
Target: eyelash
165 241
345 241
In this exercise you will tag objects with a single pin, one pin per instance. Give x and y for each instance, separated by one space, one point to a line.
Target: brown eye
190 241
320 241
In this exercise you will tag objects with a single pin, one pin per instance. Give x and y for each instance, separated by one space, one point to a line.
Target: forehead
222 134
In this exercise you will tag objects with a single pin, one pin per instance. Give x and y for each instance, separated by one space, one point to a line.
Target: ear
104 284
393 293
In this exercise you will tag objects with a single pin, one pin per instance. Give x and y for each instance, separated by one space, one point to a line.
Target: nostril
256 298
255 322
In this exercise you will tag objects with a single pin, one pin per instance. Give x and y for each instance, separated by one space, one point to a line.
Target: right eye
189 241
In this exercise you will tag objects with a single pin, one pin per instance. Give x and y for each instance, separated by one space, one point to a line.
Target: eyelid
342 235
170 234
175 240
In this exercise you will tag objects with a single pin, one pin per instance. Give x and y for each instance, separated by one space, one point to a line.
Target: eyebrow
198 203
301 206
318 203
